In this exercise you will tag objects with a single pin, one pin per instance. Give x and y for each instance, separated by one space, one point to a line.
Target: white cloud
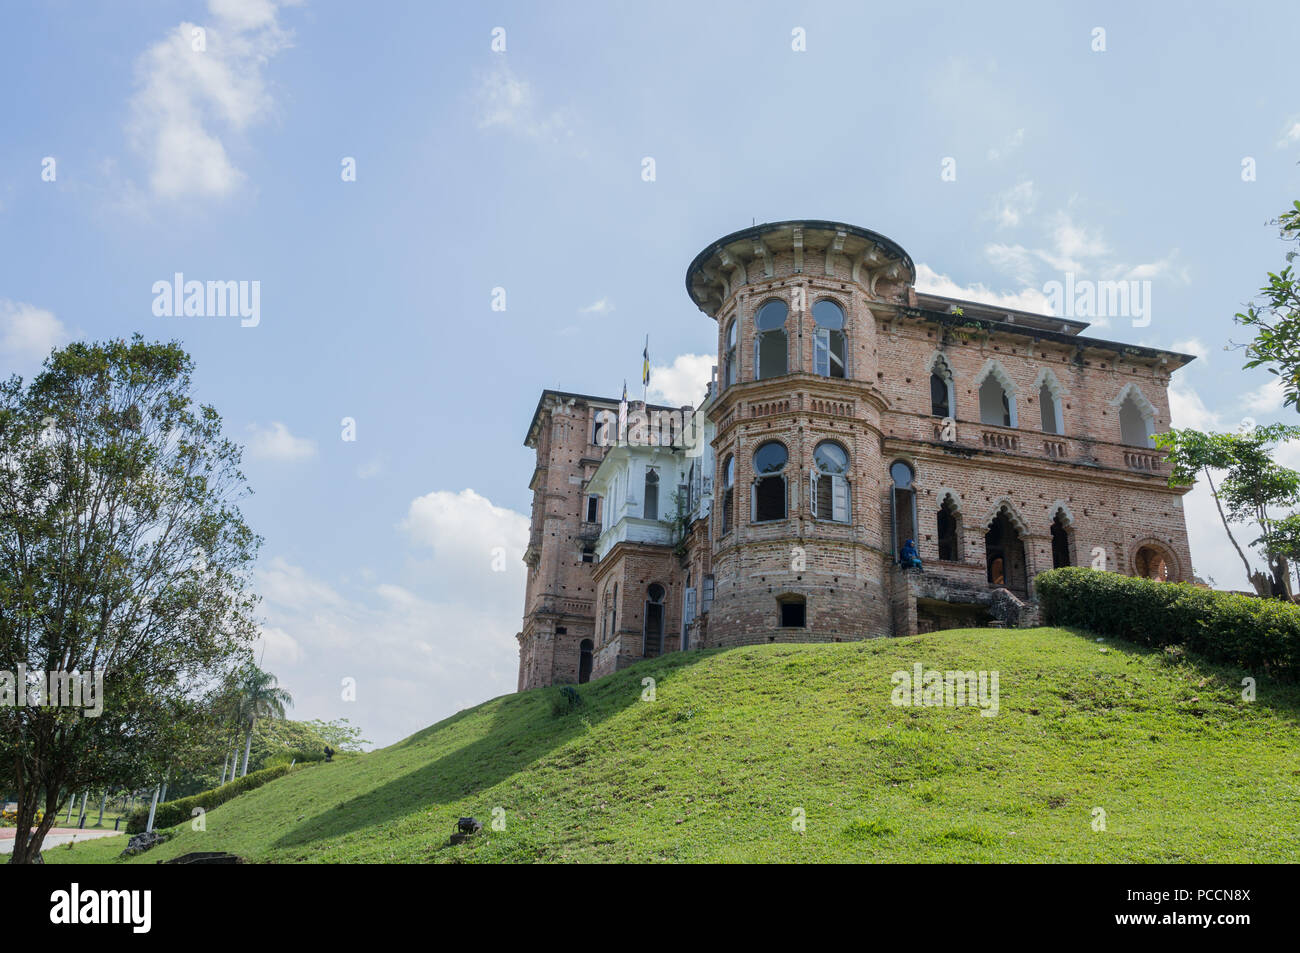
1290 132
1008 146
418 649
1192 346
186 99
929 281
277 443
683 382
1267 398
28 333
508 102
1187 410
370 469
603 306
1012 205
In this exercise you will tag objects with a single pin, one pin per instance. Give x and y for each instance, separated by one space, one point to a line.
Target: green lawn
738 741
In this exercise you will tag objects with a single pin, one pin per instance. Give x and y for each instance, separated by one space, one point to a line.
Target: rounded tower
801 516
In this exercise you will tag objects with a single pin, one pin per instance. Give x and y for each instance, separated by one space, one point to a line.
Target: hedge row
1252 633
171 813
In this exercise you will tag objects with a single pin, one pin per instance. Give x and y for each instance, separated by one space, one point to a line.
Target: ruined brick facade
848 413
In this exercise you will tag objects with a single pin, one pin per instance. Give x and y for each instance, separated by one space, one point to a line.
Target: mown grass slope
737 743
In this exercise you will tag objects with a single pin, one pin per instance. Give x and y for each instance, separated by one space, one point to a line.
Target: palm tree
261 697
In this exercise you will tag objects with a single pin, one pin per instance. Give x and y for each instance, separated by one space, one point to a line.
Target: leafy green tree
1252 489
262 698
340 734
122 552
1275 317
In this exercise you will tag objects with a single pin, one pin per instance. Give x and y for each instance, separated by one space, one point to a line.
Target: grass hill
715 768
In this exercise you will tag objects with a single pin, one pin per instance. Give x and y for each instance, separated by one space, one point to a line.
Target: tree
123 554
1252 488
1276 317
262 699
340 734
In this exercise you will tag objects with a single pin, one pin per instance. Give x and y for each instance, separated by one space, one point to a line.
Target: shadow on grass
524 731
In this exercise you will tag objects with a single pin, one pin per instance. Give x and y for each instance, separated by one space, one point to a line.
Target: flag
645 363
625 391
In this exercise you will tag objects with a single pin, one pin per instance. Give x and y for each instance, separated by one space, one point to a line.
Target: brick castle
847 414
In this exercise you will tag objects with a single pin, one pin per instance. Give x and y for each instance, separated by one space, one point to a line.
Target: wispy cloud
603 306
276 443
509 103
198 84
1008 146
1026 299
28 333
1013 205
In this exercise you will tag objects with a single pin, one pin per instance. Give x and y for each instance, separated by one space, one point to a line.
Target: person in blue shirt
909 558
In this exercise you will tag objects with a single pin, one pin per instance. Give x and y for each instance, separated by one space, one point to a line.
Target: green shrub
1255 634
565 700
171 813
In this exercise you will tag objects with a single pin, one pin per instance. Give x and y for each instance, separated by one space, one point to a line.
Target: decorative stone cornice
721 270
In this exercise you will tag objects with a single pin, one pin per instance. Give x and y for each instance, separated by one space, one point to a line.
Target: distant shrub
171 813
1255 634
565 700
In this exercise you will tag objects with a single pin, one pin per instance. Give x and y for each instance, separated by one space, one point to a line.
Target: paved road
56 836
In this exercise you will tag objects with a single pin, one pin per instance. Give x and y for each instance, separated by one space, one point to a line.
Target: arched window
1049 409
651 510
1060 542
1150 563
769 340
769 482
829 348
902 505
941 390
652 630
830 485
996 405
728 492
729 357
1136 422
1004 553
584 661
949 530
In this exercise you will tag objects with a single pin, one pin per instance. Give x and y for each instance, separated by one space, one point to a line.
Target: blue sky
522 170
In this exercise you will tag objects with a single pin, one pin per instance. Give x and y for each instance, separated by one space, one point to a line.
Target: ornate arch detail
992 367
941 495
1145 406
1048 376
1060 506
1013 514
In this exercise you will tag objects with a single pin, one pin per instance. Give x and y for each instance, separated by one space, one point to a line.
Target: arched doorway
652 632
584 661
1004 553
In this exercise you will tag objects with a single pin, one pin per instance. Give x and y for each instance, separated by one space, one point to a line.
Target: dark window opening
939 404
1060 544
793 614
948 532
651 511
588 554
592 507
584 661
